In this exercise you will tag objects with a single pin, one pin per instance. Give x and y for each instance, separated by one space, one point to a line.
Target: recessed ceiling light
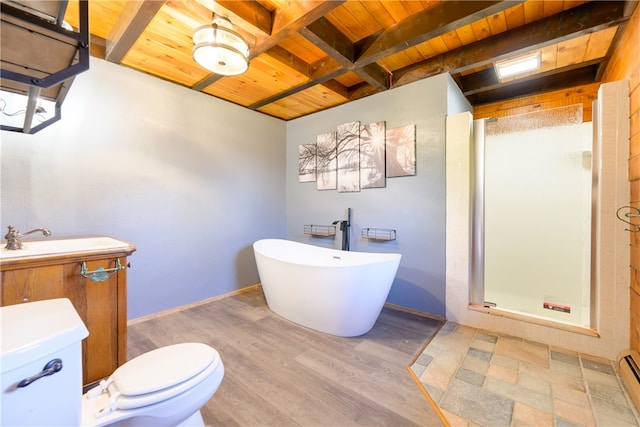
522 64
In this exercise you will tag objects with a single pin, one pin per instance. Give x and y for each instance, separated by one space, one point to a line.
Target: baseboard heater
630 373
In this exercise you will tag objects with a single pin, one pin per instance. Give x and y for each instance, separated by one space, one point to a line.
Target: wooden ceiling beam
335 86
298 14
361 90
206 81
97 46
438 20
248 17
299 88
587 18
475 82
323 67
284 56
130 24
576 77
251 12
374 75
435 21
322 72
287 21
327 37
486 80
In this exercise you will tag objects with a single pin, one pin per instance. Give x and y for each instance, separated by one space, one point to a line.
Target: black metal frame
64 77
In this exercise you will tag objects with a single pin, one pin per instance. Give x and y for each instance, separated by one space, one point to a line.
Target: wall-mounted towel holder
378 233
633 213
100 274
320 230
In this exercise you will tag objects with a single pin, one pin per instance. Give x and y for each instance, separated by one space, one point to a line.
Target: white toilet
41 375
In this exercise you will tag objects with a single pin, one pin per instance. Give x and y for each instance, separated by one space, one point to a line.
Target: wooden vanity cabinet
102 306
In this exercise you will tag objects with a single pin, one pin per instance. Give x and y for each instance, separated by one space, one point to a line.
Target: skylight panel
516 66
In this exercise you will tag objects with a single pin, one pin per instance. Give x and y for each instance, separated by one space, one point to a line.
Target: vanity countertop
52 250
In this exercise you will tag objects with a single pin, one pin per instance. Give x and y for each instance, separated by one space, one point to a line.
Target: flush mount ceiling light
520 65
220 49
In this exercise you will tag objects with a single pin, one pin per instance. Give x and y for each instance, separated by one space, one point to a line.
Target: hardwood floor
280 374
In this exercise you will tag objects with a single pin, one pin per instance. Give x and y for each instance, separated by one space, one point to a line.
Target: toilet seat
156 376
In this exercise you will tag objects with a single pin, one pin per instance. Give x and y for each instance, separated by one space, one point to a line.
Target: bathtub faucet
13 236
345 226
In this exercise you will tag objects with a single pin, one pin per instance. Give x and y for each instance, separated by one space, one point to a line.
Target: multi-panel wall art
358 156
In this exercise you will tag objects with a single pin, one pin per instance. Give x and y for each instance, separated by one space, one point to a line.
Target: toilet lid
162 373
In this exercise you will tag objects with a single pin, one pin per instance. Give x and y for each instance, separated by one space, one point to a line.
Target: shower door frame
477 258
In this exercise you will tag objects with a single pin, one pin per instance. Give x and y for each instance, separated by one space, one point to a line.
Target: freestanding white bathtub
332 291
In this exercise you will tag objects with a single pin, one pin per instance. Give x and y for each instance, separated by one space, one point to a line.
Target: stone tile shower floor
480 378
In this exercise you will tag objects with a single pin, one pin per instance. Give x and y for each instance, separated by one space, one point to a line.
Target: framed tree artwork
348 146
401 151
307 163
372 155
326 177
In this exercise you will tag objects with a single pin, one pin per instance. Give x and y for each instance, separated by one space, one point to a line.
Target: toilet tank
32 335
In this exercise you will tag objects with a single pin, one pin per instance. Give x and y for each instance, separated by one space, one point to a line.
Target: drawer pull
53 366
100 274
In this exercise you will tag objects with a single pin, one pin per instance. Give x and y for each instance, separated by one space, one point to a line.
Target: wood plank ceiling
307 56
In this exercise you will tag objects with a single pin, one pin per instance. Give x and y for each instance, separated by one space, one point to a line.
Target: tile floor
479 378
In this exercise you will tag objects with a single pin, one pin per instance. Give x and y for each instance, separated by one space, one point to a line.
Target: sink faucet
13 236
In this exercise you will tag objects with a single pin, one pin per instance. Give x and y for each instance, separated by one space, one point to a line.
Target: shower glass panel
537 215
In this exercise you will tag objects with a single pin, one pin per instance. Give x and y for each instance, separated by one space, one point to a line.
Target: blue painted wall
191 180
412 205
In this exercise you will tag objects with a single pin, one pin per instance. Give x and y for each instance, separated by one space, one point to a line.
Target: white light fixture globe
220 49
